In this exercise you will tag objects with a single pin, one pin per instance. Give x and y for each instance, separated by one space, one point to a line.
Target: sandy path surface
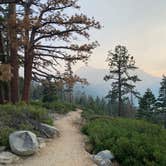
67 150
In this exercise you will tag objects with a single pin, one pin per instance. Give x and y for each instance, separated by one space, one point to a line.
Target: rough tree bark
28 59
1 55
13 54
27 78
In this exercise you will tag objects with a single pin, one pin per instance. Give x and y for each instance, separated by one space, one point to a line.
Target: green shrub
4 135
36 103
133 142
59 107
39 114
89 113
49 98
21 117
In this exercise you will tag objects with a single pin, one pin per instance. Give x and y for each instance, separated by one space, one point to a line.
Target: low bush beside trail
59 107
21 117
133 142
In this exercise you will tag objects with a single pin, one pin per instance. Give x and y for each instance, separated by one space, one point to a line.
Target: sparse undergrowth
133 142
90 113
59 107
21 117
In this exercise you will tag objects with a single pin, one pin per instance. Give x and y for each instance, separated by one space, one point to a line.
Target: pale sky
140 25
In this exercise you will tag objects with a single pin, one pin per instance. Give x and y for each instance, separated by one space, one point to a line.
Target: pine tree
51 21
120 63
147 102
30 24
162 93
49 90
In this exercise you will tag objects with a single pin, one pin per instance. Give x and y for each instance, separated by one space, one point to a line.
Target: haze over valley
98 87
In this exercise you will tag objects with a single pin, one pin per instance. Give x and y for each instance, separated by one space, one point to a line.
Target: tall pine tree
120 63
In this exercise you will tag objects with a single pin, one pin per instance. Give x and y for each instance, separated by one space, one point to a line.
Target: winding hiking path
67 150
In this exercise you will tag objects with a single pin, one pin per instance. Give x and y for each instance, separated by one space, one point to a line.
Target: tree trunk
119 92
6 87
119 105
1 94
27 78
1 58
13 54
28 59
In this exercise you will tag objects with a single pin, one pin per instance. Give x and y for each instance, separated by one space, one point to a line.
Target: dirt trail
67 150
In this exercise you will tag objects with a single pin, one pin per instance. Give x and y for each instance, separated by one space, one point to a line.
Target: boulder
8 158
106 154
49 131
100 161
105 162
103 158
23 143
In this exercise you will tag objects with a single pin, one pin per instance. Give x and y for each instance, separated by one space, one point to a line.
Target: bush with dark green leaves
133 142
21 117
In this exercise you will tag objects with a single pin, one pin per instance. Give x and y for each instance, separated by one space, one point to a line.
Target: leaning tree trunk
13 54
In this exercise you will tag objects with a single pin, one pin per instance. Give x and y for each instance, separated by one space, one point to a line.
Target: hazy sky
138 24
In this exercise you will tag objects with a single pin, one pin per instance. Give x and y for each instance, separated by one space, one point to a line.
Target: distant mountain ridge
98 87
